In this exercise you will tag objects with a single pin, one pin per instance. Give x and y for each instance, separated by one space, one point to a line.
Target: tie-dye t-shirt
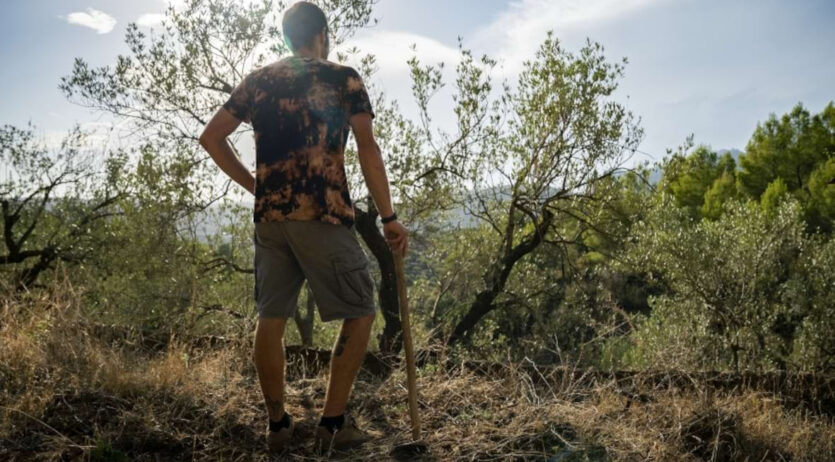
299 109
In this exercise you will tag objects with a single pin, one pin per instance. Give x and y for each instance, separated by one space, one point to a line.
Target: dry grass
69 395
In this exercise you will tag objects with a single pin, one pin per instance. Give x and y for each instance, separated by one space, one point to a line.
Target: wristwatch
389 218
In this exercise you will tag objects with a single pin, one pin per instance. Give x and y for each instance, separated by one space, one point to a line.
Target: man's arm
214 141
374 172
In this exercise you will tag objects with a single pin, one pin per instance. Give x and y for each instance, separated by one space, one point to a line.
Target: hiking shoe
349 436
277 441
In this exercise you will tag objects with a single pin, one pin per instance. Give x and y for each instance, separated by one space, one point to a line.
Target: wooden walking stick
407 345
415 447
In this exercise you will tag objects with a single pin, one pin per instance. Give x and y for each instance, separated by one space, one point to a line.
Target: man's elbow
210 138
205 140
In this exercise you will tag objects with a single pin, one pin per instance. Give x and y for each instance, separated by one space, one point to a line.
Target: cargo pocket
352 277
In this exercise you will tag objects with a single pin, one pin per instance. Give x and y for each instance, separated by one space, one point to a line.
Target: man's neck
308 53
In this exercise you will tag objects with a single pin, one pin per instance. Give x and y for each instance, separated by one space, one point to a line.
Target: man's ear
325 40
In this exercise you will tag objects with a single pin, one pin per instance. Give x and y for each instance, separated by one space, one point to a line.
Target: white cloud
97 20
562 12
516 32
150 19
512 37
392 49
177 4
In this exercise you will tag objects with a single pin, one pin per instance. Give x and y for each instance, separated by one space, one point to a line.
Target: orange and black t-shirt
299 109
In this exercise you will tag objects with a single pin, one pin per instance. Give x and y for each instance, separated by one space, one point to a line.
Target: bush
748 290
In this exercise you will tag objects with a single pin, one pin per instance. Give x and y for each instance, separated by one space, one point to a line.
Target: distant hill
735 153
210 220
457 217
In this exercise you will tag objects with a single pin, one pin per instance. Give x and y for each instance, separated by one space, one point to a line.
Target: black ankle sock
332 423
284 422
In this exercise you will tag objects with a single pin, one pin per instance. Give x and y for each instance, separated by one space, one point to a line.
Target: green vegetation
533 241
564 252
532 238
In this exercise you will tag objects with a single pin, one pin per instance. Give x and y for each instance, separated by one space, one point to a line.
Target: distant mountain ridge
456 217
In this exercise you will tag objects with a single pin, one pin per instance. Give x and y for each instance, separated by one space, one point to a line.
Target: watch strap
389 218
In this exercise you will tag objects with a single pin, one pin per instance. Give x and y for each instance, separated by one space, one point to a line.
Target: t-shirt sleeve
239 103
356 96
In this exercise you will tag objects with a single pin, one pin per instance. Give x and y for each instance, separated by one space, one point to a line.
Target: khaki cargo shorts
328 255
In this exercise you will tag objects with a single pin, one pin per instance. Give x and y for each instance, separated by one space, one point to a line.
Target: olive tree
529 158
55 202
728 285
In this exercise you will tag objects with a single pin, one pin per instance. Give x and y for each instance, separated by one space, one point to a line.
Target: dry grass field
68 392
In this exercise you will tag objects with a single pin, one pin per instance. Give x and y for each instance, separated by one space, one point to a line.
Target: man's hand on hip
397 237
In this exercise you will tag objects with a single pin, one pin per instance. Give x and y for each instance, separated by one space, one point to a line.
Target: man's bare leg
269 362
348 353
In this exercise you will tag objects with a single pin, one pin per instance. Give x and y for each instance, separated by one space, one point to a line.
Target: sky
713 68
